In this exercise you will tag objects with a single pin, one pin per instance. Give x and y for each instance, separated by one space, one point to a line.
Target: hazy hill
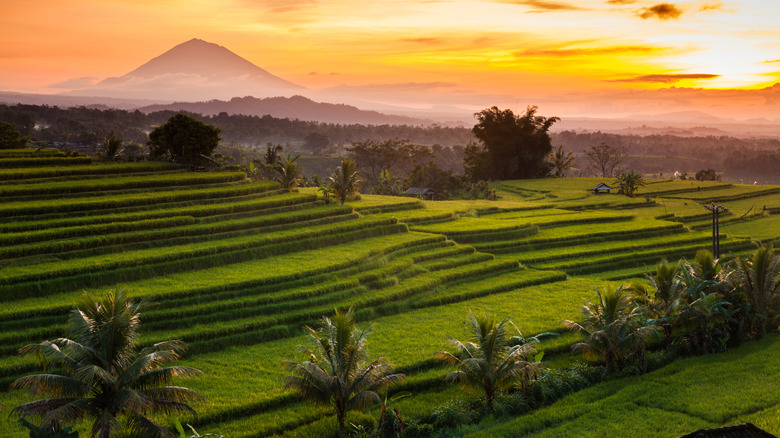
296 107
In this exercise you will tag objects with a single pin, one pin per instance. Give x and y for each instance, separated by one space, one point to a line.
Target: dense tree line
669 153
90 124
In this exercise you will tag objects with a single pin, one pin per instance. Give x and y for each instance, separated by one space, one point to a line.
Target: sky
578 57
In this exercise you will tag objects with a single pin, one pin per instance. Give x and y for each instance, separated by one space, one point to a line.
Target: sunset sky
573 55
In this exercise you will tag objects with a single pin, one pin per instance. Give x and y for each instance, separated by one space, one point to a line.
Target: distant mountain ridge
295 107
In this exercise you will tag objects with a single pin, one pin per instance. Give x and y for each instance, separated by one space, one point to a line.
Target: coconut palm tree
488 362
99 372
759 279
614 328
288 172
345 180
560 161
338 371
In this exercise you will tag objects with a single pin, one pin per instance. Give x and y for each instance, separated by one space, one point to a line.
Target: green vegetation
99 372
338 371
235 268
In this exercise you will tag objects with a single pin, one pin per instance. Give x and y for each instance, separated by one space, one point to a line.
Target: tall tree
516 145
99 372
288 172
316 142
10 138
560 161
184 139
338 370
604 159
345 181
488 362
397 156
759 279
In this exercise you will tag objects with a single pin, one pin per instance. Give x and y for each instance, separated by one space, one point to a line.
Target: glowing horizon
473 51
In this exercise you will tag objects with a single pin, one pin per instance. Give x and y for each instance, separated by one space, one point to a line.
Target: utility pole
716 211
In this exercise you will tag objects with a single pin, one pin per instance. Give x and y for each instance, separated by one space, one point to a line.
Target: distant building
421 192
601 189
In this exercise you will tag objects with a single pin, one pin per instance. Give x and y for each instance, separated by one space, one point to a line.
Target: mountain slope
192 71
296 107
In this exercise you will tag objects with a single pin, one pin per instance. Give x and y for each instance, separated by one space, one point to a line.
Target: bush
454 413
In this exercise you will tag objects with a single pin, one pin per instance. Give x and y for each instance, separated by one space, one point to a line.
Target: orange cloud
421 40
711 7
661 11
597 51
544 6
667 78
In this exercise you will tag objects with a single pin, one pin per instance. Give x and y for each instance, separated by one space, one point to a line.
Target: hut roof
419 191
747 430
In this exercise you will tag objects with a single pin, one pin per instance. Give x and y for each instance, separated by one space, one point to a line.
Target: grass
708 391
252 264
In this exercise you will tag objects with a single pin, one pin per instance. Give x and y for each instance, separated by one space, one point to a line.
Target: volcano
194 71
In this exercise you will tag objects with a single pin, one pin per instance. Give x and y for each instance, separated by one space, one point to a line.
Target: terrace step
609 262
45 278
580 235
612 247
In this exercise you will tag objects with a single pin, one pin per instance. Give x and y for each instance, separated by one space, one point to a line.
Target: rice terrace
235 267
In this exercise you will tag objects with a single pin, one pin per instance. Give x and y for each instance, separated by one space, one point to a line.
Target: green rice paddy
235 268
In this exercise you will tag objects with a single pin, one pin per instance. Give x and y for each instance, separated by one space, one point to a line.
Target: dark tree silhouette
184 139
516 145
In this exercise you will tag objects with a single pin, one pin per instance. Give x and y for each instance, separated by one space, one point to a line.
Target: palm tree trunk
341 415
490 395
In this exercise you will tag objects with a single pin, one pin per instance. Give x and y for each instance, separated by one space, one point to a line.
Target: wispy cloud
415 87
283 6
711 7
73 83
661 11
620 2
596 51
421 40
667 78
544 5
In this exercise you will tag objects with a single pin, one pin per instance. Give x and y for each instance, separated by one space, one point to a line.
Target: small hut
747 430
420 192
601 189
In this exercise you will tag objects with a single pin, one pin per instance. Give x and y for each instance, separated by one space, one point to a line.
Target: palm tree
560 161
338 371
99 372
288 173
759 278
345 180
488 363
629 182
272 156
614 328
667 295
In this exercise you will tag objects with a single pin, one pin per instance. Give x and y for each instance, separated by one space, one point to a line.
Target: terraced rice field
235 268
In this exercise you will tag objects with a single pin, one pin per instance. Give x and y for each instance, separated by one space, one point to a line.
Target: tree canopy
10 138
100 372
184 139
515 146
